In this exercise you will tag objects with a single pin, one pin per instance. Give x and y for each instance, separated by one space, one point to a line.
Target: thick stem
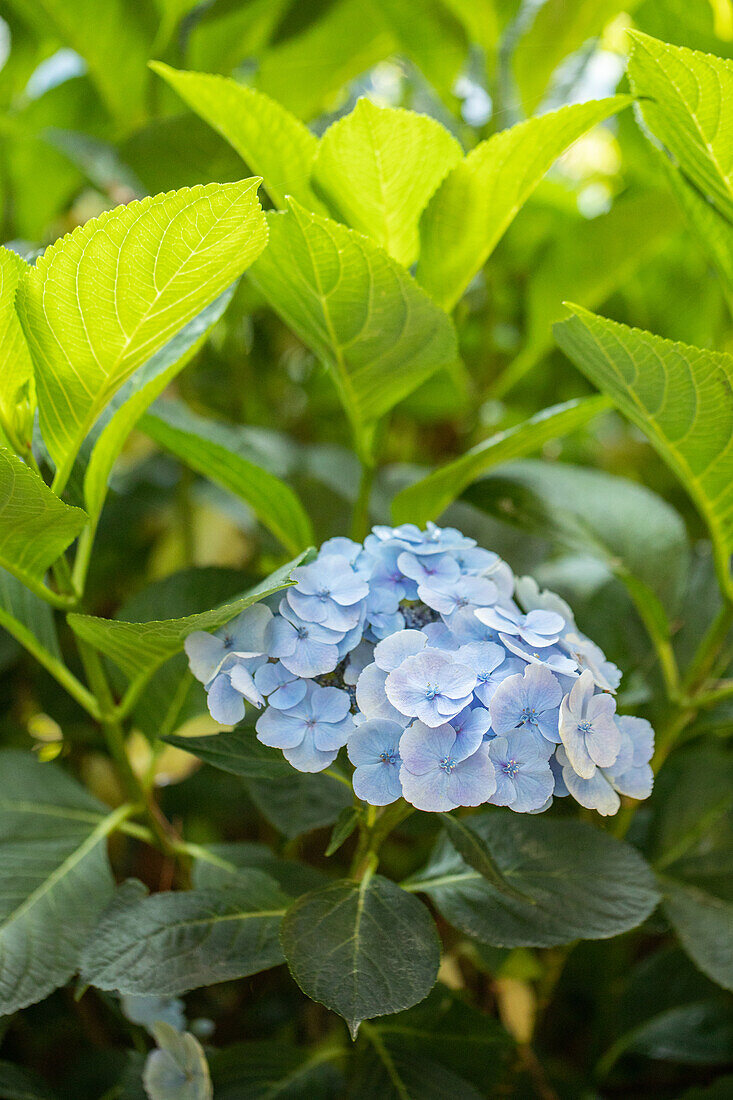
372 835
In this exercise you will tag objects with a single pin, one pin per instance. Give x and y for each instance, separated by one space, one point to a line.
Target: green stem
708 650
360 520
83 556
372 835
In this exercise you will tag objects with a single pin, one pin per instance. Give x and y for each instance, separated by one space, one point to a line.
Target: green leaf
307 71
17 392
299 802
680 397
178 1069
358 310
272 142
637 535
101 301
569 268
377 168
217 452
436 41
714 231
29 619
170 943
140 648
684 97
477 854
35 526
704 924
239 857
137 394
557 30
429 497
343 827
580 883
238 752
481 195
273 1069
55 878
363 949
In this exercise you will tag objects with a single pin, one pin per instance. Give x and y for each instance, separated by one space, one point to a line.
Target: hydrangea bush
450 681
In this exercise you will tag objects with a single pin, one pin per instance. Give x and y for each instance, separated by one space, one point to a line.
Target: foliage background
86 125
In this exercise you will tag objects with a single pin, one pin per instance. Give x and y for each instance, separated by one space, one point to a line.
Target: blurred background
86 125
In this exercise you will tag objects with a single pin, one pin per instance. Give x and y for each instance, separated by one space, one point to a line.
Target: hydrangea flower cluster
449 681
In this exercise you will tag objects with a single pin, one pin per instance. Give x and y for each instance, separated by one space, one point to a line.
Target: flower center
310 723
228 642
388 757
585 727
302 631
511 767
431 692
323 593
529 714
447 764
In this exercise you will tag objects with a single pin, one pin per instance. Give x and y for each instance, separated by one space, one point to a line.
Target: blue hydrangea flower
374 750
449 597
588 731
283 688
587 655
523 777
328 592
631 773
307 649
392 651
537 628
530 699
371 696
552 657
437 775
594 792
226 703
244 637
310 733
466 627
472 726
491 665
430 569
431 686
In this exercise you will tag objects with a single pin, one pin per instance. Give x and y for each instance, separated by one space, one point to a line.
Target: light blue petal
226 705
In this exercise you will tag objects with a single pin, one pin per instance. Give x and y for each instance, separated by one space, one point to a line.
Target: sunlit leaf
680 397
17 390
481 195
101 301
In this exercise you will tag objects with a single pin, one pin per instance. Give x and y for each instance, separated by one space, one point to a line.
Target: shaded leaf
238 752
299 802
191 939
580 883
430 496
363 949
215 450
241 856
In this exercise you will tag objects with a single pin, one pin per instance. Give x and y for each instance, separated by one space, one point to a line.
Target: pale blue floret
491 665
537 628
374 749
328 592
244 637
631 774
438 774
307 649
371 696
524 781
451 597
283 689
531 700
595 792
472 726
310 733
431 686
552 657
587 728
392 651
429 570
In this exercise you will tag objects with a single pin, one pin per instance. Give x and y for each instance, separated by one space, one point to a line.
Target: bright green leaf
55 878
101 301
17 391
140 648
271 141
578 882
429 497
680 397
217 452
192 938
358 310
35 526
363 949
377 168
685 99
481 195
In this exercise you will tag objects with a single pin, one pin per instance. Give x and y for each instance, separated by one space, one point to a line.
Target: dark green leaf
474 850
581 882
345 824
363 949
297 803
238 752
